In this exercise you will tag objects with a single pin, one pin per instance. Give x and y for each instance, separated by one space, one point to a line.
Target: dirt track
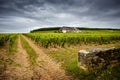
48 69
21 68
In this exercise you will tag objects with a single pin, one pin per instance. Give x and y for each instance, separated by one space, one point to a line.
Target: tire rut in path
22 71
50 70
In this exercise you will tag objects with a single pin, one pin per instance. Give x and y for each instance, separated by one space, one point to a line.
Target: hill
55 29
49 29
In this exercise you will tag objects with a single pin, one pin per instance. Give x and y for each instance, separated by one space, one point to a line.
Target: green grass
31 53
12 46
68 59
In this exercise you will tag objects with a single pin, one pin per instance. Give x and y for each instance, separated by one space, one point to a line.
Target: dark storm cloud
106 8
17 6
19 15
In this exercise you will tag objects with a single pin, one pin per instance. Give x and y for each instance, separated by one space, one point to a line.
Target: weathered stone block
98 58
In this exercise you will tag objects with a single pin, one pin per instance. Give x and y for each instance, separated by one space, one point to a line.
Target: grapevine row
61 39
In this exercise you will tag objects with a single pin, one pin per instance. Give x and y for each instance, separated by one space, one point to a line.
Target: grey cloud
17 14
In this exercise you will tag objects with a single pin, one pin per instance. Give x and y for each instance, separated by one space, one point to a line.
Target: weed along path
48 69
21 69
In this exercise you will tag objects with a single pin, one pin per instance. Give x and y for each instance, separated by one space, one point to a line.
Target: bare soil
47 69
20 70
3 61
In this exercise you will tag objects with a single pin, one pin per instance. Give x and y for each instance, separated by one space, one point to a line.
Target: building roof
68 28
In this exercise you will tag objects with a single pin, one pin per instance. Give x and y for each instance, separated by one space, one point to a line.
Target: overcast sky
25 15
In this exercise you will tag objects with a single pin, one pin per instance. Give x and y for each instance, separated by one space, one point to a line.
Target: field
42 53
68 39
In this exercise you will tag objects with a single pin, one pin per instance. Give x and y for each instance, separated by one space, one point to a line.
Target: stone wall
98 58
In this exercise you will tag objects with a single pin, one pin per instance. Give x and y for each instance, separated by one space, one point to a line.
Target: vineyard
60 39
8 38
19 53
4 38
